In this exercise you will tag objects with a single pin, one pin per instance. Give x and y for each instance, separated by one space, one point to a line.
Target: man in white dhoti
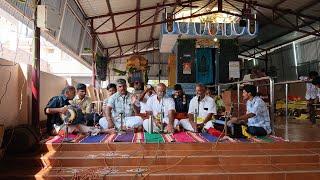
121 105
203 107
161 104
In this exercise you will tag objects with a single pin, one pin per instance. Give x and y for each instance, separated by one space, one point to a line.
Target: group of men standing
124 110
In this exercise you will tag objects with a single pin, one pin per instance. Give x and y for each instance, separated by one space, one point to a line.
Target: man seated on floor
181 101
84 103
201 106
57 107
161 104
121 105
144 98
257 117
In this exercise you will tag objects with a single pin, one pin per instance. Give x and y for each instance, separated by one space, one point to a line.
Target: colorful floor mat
182 137
126 137
74 138
94 139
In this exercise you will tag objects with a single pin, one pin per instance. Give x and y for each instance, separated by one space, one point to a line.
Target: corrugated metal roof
267 31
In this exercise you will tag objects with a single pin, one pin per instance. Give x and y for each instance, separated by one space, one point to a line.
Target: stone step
264 172
177 146
161 157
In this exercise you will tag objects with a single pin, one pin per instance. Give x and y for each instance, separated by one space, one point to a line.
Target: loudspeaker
101 66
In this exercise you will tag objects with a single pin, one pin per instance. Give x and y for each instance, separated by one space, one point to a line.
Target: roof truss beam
128 44
293 26
113 23
130 54
143 9
289 11
278 3
137 24
164 21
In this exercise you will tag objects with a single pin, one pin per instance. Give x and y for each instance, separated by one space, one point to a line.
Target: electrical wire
213 147
6 88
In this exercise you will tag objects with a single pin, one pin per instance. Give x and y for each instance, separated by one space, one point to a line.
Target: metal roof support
113 24
156 14
278 45
299 10
35 73
220 5
209 2
296 28
62 20
126 20
126 55
93 50
251 56
128 50
159 22
295 25
114 51
253 47
139 42
287 32
266 61
289 11
233 6
152 15
278 3
102 24
137 24
318 31
143 9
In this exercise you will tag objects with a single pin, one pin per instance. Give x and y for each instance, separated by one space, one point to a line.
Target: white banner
234 69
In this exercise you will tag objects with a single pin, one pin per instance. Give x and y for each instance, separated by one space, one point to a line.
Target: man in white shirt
204 107
144 98
311 94
121 103
157 104
257 117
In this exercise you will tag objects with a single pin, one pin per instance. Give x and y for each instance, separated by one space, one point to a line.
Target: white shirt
121 104
206 106
311 90
154 105
261 119
143 103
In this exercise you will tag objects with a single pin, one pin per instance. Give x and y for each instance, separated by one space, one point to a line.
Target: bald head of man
161 90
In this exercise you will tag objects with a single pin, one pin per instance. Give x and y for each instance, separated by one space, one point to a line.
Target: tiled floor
298 130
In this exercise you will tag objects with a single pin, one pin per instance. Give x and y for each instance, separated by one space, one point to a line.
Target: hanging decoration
209 29
101 67
137 67
205 42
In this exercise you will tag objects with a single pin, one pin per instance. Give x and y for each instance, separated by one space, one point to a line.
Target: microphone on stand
122 114
196 113
161 115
